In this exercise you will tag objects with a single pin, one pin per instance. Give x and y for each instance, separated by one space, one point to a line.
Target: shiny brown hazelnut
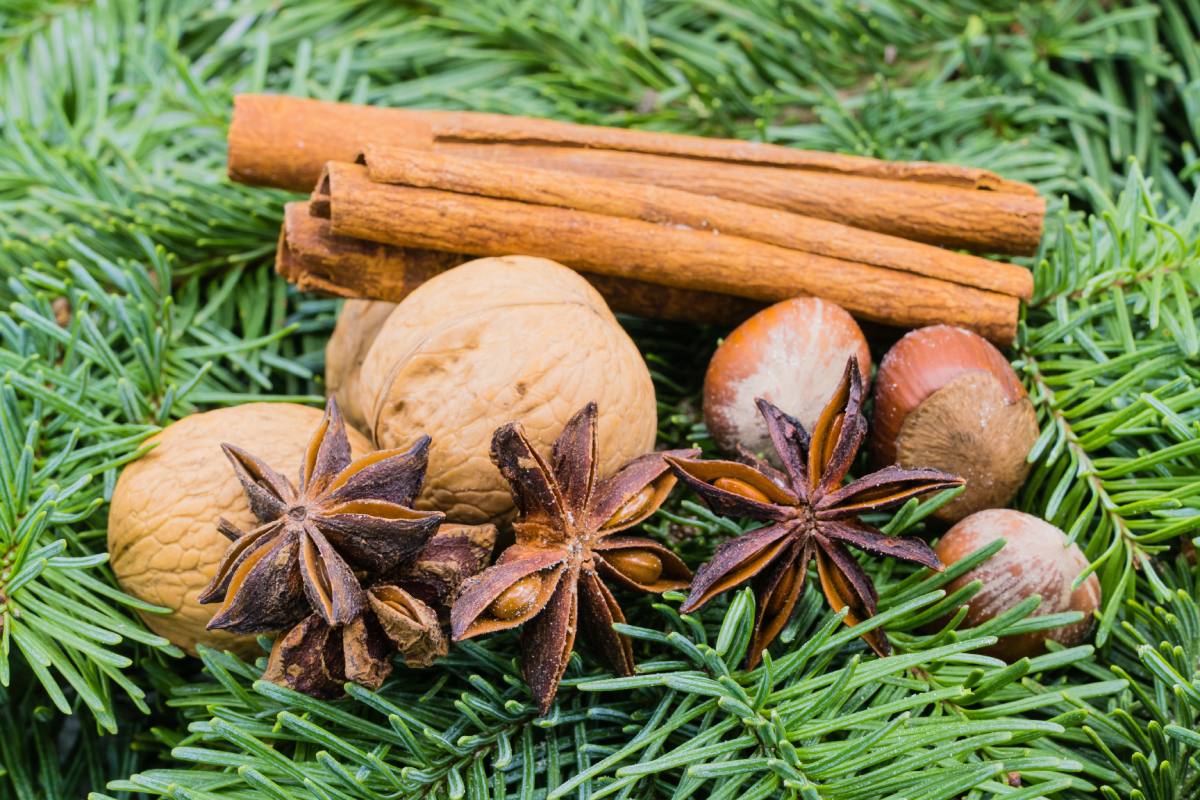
1035 560
946 398
793 354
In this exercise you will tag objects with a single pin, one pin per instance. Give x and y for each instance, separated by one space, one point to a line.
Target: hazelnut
793 354
946 398
163 542
1035 559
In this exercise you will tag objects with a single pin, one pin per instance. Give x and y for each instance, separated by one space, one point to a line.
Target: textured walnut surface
491 341
162 531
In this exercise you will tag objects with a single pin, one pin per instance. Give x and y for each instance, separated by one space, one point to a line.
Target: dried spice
169 500
508 336
809 515
566 545
303 557
400 613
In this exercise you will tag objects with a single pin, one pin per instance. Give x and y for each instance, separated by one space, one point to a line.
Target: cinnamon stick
999 222
389 164
500 128
276 140
313 259
671 256
283 141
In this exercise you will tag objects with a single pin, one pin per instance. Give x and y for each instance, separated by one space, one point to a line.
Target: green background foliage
113 200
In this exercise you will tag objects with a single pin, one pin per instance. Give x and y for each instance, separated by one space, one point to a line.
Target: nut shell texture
946 398
793 354
162 525
357 326
497 340
1034 560
921 363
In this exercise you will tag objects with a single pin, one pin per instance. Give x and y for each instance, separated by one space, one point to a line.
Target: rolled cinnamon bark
276 140
985 221
650 203
283 141
671 256
500 128
313 259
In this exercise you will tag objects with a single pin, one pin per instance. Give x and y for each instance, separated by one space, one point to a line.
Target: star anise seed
567 544
303 556
810 516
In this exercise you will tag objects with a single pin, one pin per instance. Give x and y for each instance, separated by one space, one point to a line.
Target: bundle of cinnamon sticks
664 225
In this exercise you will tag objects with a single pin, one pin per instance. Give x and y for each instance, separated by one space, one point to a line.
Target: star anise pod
566 546
303 557
809 515
401 613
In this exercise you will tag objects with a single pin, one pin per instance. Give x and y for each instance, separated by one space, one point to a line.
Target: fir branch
111 164
1109 349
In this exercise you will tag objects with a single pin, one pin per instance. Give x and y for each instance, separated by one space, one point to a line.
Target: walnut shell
489 342
163 542
793 354
1035 559
357 326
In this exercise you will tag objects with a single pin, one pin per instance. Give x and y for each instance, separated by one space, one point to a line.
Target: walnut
491 341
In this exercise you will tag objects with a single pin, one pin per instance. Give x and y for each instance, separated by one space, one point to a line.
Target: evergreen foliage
136 288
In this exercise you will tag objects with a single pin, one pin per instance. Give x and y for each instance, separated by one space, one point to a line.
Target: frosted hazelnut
488 342
793 354
163 542
946 398
1035 560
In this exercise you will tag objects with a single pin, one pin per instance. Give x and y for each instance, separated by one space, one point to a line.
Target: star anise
809 515
566 545
303 557
401 613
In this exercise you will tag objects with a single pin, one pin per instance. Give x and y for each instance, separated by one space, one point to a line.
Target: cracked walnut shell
163 542
490 341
